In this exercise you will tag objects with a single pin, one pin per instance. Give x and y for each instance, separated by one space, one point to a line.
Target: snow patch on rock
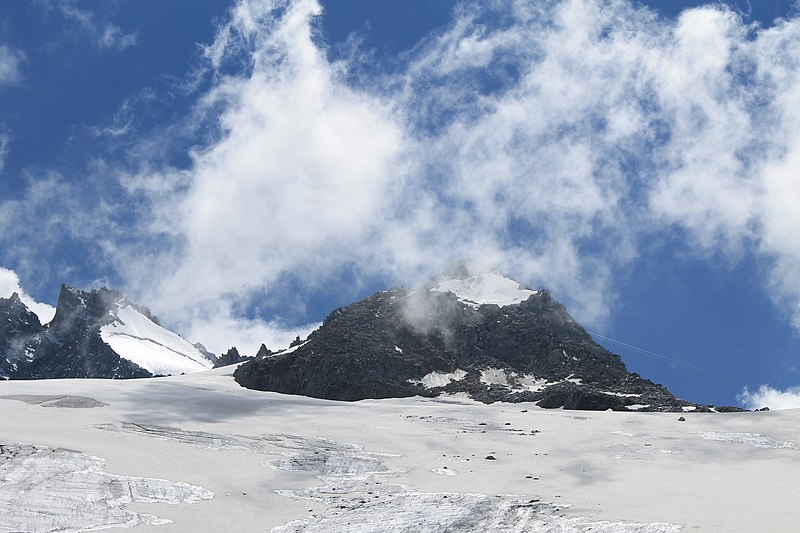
439 379
485 289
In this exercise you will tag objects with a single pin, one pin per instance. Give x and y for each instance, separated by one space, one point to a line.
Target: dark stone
681 419
728 409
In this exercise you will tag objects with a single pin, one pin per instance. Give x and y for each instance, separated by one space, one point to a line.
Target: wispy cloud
104 34
767 396
10 65
5 140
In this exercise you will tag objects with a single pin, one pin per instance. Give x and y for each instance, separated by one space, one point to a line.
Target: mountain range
94 334
484 337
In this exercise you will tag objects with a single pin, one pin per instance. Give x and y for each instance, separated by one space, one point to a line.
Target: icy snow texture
485 289
48 490
361 501
755 440
361 495
138 339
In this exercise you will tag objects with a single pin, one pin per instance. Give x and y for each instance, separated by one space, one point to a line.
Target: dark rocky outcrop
231 357
385 345
18 325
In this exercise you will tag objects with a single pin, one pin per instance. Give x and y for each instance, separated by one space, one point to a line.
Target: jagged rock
18 325
264 351
88 338
231 357
523 346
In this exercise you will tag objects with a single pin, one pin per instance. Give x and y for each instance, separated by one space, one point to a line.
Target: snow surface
289 464
138 339
485 289
439 379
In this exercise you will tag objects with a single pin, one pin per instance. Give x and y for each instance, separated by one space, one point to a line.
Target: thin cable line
657 355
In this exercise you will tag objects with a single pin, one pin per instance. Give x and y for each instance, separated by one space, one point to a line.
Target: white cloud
10 63
5 140
9 284
766 396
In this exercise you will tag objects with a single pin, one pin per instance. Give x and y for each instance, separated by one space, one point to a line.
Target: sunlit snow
439 379
138 339
485 289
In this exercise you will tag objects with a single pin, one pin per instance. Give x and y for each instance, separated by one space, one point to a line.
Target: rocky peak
14 315
19 328
485 335
78 310
264 351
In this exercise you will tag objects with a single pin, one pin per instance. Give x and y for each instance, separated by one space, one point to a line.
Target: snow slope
483 289
207 455
136 338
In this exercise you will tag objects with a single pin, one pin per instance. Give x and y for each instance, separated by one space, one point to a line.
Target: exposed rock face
446 339
76 343
17 325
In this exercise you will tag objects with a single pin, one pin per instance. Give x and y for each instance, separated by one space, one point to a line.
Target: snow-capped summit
482 289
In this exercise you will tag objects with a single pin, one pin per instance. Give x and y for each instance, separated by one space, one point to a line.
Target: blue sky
245 167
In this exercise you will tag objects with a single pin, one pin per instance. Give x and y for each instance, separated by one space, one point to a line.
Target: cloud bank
767 396
554 140
9 284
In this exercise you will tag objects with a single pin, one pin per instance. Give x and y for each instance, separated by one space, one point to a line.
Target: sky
244 167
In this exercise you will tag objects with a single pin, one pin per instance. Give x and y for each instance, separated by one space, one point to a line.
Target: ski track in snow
363 495
57 490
